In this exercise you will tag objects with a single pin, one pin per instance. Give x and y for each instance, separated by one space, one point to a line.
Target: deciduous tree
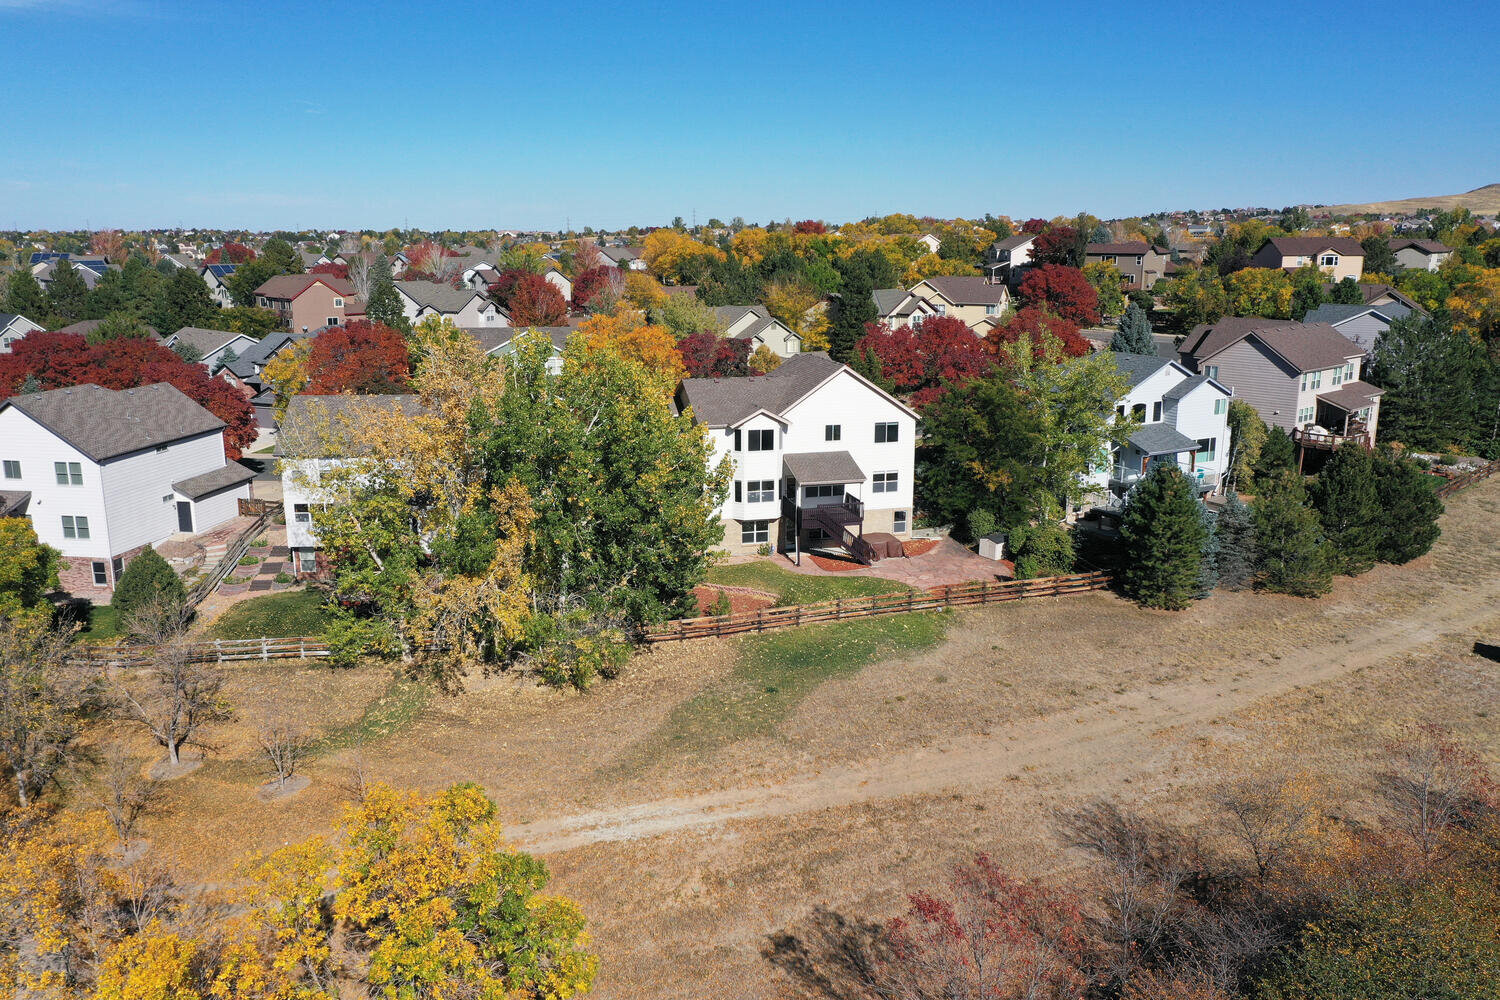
1107 283
46 703
28 572
1063 291
535 301
708 355
359 357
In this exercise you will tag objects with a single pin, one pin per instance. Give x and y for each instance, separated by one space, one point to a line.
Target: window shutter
736 439
738 496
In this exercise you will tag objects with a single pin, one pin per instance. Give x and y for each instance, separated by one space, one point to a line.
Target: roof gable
105 423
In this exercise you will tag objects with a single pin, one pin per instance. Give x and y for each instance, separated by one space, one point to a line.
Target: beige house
1339 257
1140 264
979 302
310 301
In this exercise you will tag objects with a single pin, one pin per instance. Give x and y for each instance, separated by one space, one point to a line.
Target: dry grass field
722 793
1481 201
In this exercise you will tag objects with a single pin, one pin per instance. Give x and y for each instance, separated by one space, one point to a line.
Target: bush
262 541
1447 458
249 560
285 578
148 578
1044 548
981 523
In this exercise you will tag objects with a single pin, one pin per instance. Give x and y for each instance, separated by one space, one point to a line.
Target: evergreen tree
1235 534
1208 569
282 257
1346 293
24 296
385 306
1345 498
118 326
183 300
1164 539
1134 334
1409 510
1379 258
1440 387
1278 454
147 578
67 294
850 311
1291 556
1307 291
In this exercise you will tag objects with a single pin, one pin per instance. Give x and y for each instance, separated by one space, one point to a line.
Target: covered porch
818 505
1156 443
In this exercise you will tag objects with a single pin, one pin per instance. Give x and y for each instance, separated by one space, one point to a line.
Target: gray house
1361 324
1140 264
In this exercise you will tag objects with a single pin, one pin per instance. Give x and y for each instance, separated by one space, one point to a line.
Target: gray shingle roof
200 486
966 290
311 426
1159 439
822 468
1184 387
1139 367
204 341
1338 312
1012 242
434 295
492 338
887 299
1354 395
256 357
13 503
105 423
720 402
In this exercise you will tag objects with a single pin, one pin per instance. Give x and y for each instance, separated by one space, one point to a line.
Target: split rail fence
209 651
1465 481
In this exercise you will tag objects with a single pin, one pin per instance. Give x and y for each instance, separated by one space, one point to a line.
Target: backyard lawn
102 624
275 616
799 588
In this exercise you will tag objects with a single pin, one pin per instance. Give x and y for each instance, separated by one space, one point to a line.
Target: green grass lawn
103 624
777 670
294 613
400 704
1436 482
797 588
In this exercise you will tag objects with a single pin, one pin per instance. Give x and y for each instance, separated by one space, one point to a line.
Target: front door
184 516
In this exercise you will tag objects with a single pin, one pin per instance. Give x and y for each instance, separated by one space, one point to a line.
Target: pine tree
182 300
1291 555
1164 539
147 578
1345 499
1409 510
1208 568
67 295
24 296
385 306
1235 533
1278 454
1134 334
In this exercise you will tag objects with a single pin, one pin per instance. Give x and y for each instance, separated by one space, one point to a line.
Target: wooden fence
250 507
209 651
227 565
1465 481
932 599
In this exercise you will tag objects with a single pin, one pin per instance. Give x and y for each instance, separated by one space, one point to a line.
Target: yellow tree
677 258
800 306
643 292
1259 291
1476 306
630 336
156 964
286 374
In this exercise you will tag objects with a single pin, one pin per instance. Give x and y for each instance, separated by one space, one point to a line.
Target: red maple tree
812 226
590 283
1033 225
707 355
44 361
235 253
362 357
535 301
928 360
1035 321
332 269
1063 291
1056 245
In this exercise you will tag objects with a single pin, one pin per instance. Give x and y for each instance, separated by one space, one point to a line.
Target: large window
760 490
898 522
752 532
1207 449
1221 406
75 526
886 482
833 432
301 514
818 492
1330 260
887 432
68 473
763 440
12 469
1304 416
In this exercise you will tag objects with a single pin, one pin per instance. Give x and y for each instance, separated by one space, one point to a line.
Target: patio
948 562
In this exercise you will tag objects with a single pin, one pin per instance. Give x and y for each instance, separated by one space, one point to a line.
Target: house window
763 440
1304 416
338 303
101 577
760 490
885 482
1138 411
75 526
1330 260
940 309
1127 278
1338 376
301 514
1207 448
752 532
886 433
898 522
1156 412
1109 258
833 432
117 564
1221 407
1349 375
12 469
1316 381
160 448
1120 411
331 321
739 491
1212 371
68 473
992 310
817 492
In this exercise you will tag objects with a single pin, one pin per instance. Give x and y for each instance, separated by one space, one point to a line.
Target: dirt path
1091 741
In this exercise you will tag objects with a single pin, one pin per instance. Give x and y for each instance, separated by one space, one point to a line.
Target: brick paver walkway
276 559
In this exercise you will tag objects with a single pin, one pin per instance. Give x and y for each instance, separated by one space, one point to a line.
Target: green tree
1235 532
24 296
183 300
28 571
1044 546
1108 286
1345 497
1291 555
1164 539
1346 292
385 307
1247 436
1307 290
67 294
1379 258
1408 509
282 256
1192 298
1134 334
249 320
1278 454
147 580
1440 386
119 326
1208 567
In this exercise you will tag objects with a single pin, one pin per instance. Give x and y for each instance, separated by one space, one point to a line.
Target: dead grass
1481 201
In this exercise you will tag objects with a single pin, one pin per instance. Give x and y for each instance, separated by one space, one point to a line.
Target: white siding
36 448
218 508
847 401
139 500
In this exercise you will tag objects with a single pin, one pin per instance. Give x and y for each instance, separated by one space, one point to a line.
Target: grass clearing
274 616
776 671
396 708
103 624
799 588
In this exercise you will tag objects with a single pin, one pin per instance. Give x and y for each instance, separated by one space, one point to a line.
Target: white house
1007 259
215 347
625 258
216 277
931 242
814 445
103 473
464 306
1184 419
560 281
308 443
14 326
760 328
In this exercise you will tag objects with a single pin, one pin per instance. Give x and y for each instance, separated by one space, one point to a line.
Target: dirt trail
1090 741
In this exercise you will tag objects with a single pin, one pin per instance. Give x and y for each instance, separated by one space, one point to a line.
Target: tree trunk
172 754
22 796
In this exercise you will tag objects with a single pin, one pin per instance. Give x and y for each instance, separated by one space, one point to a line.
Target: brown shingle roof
823 468
1307 246
289 286
1426 246
105 423
965 290
1352 396
1305 346
1127 249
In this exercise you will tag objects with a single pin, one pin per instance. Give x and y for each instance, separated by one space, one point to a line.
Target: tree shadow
831 956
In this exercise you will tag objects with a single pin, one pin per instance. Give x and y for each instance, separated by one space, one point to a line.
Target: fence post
838 608
219 650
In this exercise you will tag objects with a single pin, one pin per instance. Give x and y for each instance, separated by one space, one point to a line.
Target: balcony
1123 477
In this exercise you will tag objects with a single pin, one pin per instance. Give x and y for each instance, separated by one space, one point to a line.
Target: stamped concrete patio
949 562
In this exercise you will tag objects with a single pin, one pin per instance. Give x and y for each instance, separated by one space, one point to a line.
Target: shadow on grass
831 956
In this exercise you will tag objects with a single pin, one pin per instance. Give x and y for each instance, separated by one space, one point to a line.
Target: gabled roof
1187 385
1305 346
493 338
1374 290
1335 313
724 402
289 286
1350 396
205 341
1138 367
106 423
1425 246
1013 242
966 290
438 296
265 348
1308 246
1130 248
622 253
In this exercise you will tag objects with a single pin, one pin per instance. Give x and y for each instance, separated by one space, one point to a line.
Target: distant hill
1481 201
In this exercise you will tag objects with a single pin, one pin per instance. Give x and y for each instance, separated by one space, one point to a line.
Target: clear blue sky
134 113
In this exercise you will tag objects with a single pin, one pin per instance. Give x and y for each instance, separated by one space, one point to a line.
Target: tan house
1339 257
1140 264
979 302
310 301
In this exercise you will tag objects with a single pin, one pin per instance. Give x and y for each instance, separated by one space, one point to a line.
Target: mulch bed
709 596
919 546
834 564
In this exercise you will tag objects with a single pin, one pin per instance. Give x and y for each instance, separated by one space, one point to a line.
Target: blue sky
134 113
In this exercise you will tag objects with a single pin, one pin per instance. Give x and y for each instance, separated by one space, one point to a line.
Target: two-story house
1339 257
560 281
214 348
103 473
464 306
310 301
1007 260
897 307
821 456
314 436
760 328
625 258
1184 419
1140 264
1420 255
1362 324
14 326
1301 377
216 277
979 302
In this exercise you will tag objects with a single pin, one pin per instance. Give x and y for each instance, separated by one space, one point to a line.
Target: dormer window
1330 260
